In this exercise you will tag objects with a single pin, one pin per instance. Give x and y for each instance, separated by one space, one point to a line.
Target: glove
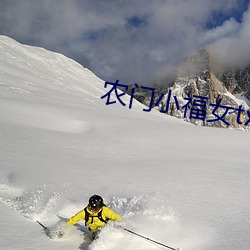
62 229
60 234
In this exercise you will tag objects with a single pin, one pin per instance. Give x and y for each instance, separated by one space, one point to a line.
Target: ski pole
45 228
146 238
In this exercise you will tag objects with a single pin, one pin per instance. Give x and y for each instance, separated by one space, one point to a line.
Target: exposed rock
237 81
196 82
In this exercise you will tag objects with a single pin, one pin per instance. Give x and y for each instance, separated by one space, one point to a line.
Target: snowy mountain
183 185
237 81
201 94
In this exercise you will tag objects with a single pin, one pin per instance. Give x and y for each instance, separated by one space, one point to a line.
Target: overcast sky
135 41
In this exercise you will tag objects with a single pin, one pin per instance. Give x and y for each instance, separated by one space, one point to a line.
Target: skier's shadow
87 237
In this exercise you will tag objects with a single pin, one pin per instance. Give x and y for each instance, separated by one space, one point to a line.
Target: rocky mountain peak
196 78
197 64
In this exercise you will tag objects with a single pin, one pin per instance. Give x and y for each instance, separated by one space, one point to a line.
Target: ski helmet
95 202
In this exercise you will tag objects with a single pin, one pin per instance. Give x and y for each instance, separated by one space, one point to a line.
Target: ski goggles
94 208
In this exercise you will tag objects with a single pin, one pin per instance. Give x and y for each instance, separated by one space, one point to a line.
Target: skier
95 214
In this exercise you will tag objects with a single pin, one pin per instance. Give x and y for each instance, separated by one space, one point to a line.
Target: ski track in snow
42 116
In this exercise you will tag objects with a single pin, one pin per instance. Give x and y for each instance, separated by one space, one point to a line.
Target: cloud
228 28
232 50
133 41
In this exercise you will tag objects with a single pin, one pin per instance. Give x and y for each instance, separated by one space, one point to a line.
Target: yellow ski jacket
94 223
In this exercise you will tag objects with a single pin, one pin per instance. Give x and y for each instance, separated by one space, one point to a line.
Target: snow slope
183 185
